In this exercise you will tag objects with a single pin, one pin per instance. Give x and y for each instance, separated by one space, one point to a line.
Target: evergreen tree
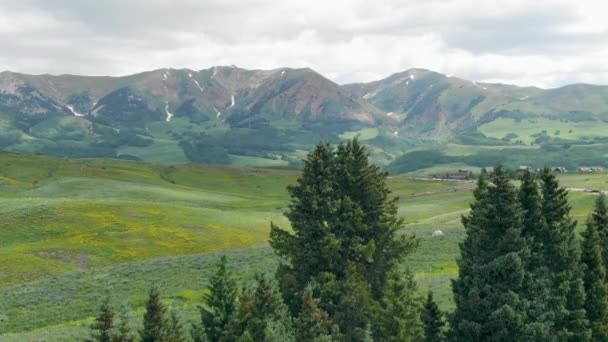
490 291
220 303
538 280
596 289
257 308
103 328
399 311
124 333
313 323
600 220
155 320
175 330
433 320
343 218
562 259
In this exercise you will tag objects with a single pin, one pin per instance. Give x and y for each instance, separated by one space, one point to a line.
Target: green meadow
74 231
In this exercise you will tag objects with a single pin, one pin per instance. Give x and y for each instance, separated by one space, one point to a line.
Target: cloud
544 43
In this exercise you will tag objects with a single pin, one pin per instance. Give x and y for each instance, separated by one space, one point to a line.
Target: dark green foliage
124 333
103 328
126 106
313 322
155 320
600 220
220 303
175 329
490 292
433 321
349 302
536 232
345 235
415 160
399 311
205 149
596 289
562 258
106 329
260 310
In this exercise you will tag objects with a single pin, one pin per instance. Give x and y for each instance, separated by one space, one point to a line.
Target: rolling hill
230 115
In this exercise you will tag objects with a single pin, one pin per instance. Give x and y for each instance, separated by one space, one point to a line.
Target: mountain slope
227 114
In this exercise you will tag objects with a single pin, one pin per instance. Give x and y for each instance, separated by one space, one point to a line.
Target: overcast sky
545 43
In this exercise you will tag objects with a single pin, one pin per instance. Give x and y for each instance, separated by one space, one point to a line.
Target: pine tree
399 311
220 303
313 323
562 259
103 328
433 320
596 289
155 320
343 218
257 308
490 291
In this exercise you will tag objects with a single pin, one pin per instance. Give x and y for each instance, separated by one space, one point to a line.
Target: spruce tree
175 329
596 289
155 320
313 323
220 303
399 311
490 291
342 218
103 327
562 259
536 232
432 320
600 220
257 308
124 333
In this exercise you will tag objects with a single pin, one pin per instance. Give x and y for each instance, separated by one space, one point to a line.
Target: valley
75 230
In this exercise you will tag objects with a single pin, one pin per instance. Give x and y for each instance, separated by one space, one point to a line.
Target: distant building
590 169
559 169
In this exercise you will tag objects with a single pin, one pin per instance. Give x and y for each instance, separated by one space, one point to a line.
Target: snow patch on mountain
169 114
389 113
198 85
368 95
232 102
74 111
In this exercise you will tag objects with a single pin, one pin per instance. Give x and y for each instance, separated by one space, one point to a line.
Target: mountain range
231 115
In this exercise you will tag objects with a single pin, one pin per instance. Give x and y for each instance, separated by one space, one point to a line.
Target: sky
545 43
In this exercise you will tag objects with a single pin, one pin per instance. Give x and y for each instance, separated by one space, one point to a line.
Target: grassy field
527 128
75 231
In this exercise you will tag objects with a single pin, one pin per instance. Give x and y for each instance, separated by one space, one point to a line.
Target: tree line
523 273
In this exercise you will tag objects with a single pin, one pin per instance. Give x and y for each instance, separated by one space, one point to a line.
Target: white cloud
545 43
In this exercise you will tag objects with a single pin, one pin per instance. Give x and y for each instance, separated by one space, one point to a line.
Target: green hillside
74 230
233 116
